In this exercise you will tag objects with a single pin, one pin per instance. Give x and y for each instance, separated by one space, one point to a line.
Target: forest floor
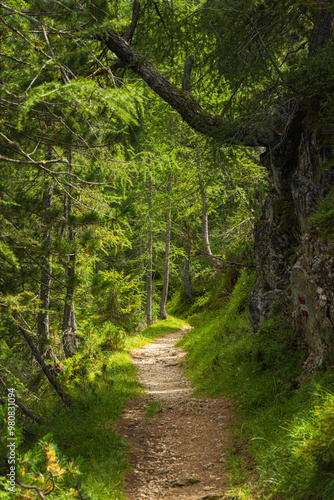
178 441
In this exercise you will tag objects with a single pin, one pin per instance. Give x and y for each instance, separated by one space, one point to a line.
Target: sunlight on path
179 453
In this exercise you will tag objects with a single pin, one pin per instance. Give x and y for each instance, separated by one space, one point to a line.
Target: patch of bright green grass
154 331
152 409
101 392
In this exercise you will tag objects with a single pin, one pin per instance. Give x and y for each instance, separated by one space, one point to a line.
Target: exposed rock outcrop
293 264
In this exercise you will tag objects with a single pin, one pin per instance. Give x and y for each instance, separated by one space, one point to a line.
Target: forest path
179 452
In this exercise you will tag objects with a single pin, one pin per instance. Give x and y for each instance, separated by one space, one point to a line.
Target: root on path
179 452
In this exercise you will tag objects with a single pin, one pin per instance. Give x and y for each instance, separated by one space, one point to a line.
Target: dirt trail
178 453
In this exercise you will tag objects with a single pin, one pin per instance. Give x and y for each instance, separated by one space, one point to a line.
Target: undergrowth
100 382
286 425
322 221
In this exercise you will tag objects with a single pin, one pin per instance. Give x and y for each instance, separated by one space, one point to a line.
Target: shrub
322 221
274 343
113 337
47 470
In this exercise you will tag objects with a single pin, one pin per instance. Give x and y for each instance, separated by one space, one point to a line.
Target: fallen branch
18 403
27 487
57 387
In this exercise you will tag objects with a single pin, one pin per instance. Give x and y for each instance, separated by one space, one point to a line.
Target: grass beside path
285 449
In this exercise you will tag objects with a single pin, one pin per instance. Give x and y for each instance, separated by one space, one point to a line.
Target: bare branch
26 487
186 80
20 405
135 16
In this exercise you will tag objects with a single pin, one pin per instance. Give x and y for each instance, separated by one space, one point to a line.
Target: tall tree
149 318
43 319
163 301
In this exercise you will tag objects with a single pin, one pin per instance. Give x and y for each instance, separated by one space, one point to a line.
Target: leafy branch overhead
249 132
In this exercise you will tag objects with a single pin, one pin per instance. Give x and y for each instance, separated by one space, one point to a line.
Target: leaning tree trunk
43 324
18 403
149 319
61 393
163 314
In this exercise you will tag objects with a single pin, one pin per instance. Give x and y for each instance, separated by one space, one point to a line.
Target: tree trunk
57 387
18 403
141 271
149 319
69 338
163 314
43 324
205 225
186 272
69 322
322 32
205 221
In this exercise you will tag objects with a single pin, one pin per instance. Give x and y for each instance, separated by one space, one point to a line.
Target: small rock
162 471
187 481
208 466
212 497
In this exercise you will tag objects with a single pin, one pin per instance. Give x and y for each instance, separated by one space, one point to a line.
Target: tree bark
18 403
135 16
163 314
205 224
43 324
186 272
322 32
69 323
57 387
180 100
149 318
186 80
186 105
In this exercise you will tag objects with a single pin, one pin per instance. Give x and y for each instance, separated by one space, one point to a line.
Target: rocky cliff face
295 266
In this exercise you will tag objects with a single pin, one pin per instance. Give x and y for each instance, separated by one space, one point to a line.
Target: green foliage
117 298
220 340
113 337
213 290
152 409
288 424
274 344
314 80
300 465
322 221
45 467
